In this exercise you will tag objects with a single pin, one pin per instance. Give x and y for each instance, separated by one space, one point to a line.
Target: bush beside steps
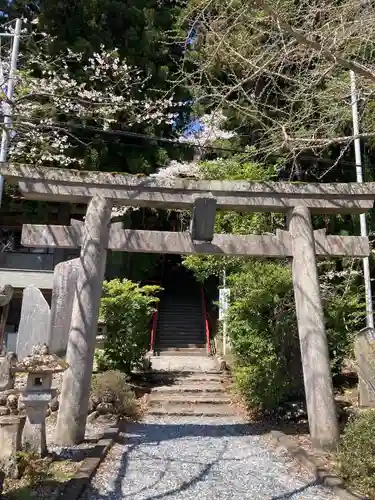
111 395
356 453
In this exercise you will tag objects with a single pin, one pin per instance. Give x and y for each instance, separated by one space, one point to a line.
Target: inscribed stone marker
34 324
365 357
64 285
6 374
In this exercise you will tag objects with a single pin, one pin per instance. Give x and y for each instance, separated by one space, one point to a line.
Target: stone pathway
199 458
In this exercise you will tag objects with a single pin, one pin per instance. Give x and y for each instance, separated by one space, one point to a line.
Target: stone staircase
191 393
181 323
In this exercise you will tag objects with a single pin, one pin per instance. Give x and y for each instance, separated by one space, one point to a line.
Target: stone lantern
40 367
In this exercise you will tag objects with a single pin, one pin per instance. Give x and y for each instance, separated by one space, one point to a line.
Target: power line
176 142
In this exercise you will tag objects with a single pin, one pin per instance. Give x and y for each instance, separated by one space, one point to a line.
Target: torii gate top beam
75 186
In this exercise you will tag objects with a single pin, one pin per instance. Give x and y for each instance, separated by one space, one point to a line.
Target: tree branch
302 39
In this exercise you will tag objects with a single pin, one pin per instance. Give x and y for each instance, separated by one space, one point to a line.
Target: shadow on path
154 434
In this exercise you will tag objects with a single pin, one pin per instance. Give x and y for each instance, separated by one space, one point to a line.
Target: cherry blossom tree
55 114
201 134
209 129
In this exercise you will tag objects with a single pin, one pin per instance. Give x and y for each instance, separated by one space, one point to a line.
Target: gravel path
189 458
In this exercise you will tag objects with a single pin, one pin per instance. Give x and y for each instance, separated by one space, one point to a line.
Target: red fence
153 327
206 324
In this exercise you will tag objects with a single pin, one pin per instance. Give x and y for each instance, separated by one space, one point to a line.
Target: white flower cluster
346 273
208 132
48 110
178 169
40 148
120 211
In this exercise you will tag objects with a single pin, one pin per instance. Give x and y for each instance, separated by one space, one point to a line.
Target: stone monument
35 321
64 284
365 359
6 294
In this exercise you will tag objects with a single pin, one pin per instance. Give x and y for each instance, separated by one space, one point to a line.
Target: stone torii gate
102 190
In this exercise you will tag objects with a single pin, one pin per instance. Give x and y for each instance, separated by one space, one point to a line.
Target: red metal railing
153 327
206 324
154 321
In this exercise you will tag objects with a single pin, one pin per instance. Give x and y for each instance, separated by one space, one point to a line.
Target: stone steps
193 378
194 410
183 351
195 398
182 387
180 323
190 394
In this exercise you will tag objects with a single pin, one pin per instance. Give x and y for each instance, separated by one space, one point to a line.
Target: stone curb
311 463
76 486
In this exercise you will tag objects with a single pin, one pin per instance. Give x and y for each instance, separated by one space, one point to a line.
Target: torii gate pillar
71 422
320 402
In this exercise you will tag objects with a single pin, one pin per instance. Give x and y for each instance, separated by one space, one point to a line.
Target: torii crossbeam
182 243
74 186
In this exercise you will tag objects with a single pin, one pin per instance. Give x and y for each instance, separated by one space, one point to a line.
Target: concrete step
184 308
187 410
177 306
181 331
187 388
194 398
181 337
195 345
181 328
184 351
200 381
165 350
177 343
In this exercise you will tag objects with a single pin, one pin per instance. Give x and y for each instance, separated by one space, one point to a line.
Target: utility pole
10 91
225 333
362 217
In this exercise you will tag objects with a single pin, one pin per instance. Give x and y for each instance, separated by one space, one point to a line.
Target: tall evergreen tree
139 30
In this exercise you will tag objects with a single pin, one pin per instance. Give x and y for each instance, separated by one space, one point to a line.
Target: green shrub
112 387
344 308
262 326
259 384
34 468
356 454
264 333
127 309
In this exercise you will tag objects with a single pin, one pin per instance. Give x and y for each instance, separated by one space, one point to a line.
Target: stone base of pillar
11 428
34 432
